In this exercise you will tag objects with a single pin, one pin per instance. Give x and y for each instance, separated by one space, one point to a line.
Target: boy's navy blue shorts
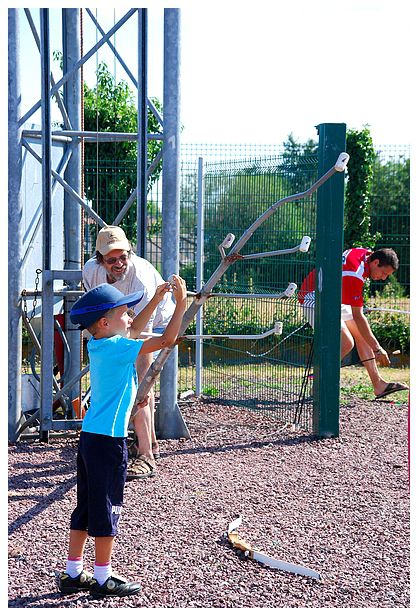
101 475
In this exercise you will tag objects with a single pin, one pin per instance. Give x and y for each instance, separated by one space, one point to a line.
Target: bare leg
366 352
152 407
347 341
78 540
144 419
103 549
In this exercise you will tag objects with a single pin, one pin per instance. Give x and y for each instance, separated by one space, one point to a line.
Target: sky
256 72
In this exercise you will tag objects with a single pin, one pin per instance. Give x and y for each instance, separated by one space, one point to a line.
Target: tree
110 168
294 149
390 210
235 198
357 224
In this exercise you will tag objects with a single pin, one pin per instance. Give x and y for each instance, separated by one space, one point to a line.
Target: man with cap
115 263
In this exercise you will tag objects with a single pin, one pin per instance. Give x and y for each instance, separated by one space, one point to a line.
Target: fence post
199 274
329 233
142 149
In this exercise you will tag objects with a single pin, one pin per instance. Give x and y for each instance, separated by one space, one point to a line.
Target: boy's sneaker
114 586
68 584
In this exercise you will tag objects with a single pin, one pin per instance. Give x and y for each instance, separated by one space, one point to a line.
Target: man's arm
89 274
364 329
140 321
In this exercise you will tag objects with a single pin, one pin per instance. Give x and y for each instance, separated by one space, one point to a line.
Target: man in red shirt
358 264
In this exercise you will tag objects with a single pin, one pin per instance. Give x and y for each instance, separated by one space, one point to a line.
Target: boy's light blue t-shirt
114 384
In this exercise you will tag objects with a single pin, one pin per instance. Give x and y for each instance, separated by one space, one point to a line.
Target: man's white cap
111 238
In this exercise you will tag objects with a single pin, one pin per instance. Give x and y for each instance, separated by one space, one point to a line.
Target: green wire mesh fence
241 181
268 374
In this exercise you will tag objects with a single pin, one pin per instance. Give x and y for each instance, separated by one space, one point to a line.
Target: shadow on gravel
33 472
253 445
44 502
50 599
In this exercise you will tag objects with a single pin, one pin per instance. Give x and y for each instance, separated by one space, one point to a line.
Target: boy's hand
161 290
178 287
144 402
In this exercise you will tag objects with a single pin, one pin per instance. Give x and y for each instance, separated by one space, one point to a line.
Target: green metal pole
327 335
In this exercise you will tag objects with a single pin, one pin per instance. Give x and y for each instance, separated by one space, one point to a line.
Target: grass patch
354 381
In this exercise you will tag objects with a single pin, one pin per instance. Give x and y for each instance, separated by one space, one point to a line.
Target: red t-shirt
355 270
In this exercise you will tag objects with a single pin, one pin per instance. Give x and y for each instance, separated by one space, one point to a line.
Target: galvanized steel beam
15 215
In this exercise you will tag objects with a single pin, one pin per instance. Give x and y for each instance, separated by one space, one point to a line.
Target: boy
102 451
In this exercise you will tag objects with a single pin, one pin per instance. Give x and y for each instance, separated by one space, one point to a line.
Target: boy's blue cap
96 302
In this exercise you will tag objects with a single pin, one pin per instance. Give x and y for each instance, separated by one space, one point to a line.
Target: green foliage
111 174
58 57
231 318
188 273
390 199
357 198
391 329
155 219
210 390
235 198
111 107
361 390
392 291
25 336
391 190
293 149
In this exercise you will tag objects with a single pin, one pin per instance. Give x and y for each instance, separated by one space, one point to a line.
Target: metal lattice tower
68 175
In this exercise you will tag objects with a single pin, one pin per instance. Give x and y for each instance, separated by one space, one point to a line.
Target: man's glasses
113 260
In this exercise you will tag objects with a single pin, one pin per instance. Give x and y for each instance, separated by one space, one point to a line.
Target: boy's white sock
74 566
102 571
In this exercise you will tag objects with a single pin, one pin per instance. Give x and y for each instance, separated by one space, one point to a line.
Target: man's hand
382 357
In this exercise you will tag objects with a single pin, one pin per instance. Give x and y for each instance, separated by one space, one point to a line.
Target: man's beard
114 277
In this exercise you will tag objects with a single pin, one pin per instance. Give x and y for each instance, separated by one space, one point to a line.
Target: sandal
140 468
132 447
391 388
156 451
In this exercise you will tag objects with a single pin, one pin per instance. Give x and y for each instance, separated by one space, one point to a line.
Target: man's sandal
391 388
133 448
140 468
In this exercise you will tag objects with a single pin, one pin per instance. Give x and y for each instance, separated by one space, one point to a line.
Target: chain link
35 298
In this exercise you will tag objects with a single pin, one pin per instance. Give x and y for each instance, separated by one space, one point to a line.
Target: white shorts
308 309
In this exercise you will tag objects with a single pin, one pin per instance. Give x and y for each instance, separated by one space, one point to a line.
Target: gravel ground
339 506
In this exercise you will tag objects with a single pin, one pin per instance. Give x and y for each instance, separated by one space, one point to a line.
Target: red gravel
340 506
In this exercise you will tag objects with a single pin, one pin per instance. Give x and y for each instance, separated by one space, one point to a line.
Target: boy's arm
170 334
142 318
